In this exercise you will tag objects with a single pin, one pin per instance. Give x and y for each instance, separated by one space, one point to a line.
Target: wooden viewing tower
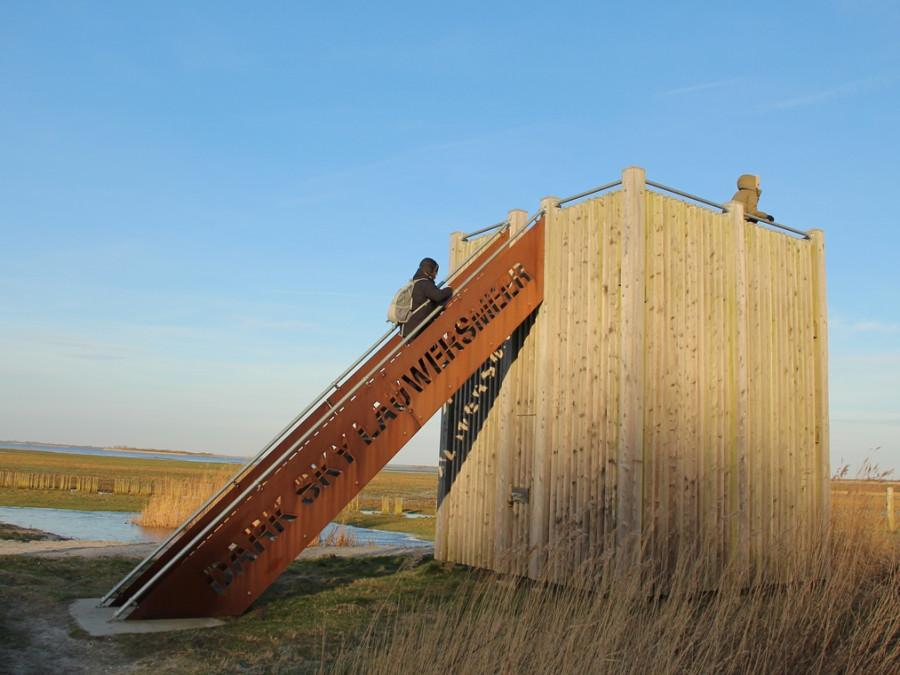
668 401
629 376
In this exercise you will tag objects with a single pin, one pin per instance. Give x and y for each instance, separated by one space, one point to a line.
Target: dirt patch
37 636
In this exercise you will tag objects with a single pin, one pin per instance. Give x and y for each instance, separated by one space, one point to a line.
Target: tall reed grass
177 500
841 614
174 500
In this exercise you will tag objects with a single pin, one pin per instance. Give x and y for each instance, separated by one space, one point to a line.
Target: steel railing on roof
701 200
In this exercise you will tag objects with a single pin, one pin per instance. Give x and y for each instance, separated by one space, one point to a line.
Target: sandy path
77 548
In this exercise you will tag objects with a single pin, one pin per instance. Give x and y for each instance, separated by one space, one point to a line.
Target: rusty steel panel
313 479
239 483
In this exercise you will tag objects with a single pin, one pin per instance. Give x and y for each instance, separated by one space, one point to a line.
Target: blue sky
206 207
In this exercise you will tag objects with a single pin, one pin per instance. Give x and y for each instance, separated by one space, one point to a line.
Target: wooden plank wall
670 400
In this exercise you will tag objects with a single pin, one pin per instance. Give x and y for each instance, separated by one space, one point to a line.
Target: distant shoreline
37 446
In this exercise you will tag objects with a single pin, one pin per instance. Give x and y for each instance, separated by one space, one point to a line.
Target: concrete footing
97 620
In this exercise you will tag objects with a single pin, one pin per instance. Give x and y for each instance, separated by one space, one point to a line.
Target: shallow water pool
118 526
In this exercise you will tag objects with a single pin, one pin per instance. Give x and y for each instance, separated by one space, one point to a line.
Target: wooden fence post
890 509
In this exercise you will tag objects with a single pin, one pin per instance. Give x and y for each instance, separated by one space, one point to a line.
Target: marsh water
89 525
119 526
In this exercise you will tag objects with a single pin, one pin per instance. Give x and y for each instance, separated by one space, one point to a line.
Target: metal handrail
724 209
501 226
268 471
685 194
589 192
721 207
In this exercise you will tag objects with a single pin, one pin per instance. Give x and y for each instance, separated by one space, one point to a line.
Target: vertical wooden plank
755 439
780 449
656 459
803 347
673 299
808 421
693 347
780 454
726 236
527 429
708 336
580 478
507 446
724 259
739 484
766 473
667 443
820 320
572 441
675 276
611 272
544 391
796 481
597 447
569 340
713 386
559 315
630 447
809 417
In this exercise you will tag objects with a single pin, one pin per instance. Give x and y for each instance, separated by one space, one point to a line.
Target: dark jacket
426 296
748 195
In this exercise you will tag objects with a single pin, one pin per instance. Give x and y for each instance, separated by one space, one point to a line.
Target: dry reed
840 614
337 535
174 501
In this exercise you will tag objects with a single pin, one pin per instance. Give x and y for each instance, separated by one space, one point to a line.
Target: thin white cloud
699 87
875 327
865 418
870 327
317 181
256 323
95 356
88 346
330 293
841 91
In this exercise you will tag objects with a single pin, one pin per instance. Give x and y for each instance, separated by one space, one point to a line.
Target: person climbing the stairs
425 296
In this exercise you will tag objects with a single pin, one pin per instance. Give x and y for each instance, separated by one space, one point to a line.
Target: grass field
400 615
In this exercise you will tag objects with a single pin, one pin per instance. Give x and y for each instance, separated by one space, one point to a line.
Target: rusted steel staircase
222 560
